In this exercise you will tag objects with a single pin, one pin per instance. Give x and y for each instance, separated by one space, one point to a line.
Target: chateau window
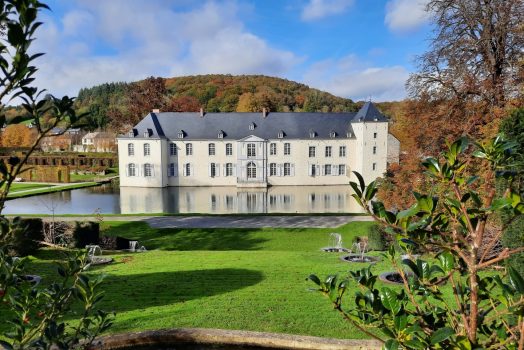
273 149
332 134
341 169
187 169
327 169
312 151
251 150
287 169
280 134
313 170
172 149
342 151
272 169
374 166
252 126
211 149
221 135
229 149
147 149
328 151
374 135
148 170
180 134
130 149
131 170
312 134
251 170
171 169
287 149
229 169
374 149
213 170
189 149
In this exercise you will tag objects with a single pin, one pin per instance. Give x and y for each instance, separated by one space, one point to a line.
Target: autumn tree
184 104
18 135
466 82
143 97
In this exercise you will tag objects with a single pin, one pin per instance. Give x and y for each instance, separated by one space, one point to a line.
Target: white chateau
255 149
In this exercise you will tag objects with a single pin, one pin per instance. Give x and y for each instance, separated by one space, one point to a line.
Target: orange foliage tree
18 135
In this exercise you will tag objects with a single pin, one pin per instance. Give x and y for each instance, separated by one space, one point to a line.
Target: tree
18 135
475 51
38 313
144 96
457 231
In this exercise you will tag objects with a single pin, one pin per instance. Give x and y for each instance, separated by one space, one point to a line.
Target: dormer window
375 119
131 134
181 134
312 134
349 134
146 133
332 134
220 134
280 134
252 126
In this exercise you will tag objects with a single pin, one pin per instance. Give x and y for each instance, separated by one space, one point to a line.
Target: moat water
111 199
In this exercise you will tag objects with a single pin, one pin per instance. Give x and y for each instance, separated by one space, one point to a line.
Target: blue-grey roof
236 125
369 113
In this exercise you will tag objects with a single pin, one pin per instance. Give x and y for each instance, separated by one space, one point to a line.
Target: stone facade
253 149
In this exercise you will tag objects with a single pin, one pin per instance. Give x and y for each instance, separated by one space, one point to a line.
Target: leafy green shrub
376 238
85 233
514 238
22 237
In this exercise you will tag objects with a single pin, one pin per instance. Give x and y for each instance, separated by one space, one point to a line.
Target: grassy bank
38 189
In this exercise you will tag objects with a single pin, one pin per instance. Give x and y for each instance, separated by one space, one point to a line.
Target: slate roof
236 125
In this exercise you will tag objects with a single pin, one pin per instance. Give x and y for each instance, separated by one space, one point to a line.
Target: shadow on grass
131 292
186 239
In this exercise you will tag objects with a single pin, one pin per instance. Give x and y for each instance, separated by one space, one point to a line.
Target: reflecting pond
110 199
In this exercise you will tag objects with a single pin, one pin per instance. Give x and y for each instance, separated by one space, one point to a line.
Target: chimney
201 112
264 112
156 110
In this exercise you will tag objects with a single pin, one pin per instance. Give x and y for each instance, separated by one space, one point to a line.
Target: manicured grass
250 279
48 189
16 187
89 177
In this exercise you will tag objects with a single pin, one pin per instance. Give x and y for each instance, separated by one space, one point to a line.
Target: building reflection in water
231 200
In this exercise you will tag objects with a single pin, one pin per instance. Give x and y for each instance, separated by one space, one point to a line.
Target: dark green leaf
441 335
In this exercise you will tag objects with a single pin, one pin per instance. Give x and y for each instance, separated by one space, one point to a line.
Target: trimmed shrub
85 233
513 238
376 238
26 238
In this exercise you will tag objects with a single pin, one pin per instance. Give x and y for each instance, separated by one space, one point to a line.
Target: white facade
154 159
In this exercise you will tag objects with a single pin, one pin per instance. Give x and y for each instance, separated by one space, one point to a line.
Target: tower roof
369 113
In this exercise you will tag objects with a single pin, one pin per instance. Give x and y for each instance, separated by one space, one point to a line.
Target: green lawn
250 279
16 187
89 177
35 189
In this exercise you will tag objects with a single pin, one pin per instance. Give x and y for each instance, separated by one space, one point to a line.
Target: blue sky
352 48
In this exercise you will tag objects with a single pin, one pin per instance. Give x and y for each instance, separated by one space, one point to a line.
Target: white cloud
317 9
405 15
349 77
141 38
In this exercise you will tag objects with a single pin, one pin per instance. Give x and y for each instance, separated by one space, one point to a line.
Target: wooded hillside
119 105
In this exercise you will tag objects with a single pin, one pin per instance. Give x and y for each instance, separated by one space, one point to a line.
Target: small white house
253 149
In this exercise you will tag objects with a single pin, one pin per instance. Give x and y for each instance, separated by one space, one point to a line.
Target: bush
26 238
86 233
512 238
376 238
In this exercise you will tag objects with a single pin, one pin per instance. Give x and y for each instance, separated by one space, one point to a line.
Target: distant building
99 141
253 149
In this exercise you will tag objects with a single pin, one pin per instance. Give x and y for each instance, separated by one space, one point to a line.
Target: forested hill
118 105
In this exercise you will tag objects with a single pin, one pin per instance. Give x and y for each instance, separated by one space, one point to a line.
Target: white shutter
309 169
279 170
318 170
334 170
184 170
224 170
127 169
209 170
217 170
292 170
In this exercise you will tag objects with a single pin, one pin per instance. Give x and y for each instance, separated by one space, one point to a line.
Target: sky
359 49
